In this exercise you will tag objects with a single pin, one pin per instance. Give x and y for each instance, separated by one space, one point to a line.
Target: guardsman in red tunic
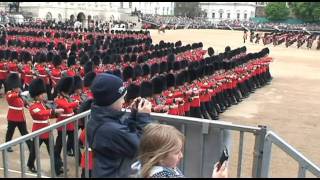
55 75
71 71
41 115
76 95
64 101
3 68
13 63
83 156
42 71
15 116
88 79
27 70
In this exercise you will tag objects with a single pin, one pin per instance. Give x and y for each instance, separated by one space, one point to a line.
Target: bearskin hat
37 87
157 85
227 49
146 89
65 85
163 67
180 79
133 91
137 71
127 73
96 60
88 79
176 65
13 81
14 55
171 80
155 68
71 61
56 60
210 51
77 83
41 58
145 69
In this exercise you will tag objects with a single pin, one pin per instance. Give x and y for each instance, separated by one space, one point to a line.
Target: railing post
258 151
266 157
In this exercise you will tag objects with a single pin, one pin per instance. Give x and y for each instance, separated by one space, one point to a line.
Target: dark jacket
114 138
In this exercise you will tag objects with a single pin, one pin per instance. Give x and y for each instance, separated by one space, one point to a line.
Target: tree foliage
189 9
277 11
308 11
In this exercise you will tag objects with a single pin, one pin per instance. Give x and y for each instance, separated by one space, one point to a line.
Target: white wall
228 7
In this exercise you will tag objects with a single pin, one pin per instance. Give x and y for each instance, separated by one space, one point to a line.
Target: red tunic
13 67
40 115
43 73
55 76
16 104
3 70
83 157
27 74
68 108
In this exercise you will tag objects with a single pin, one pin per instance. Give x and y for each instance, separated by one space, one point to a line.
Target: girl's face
173 158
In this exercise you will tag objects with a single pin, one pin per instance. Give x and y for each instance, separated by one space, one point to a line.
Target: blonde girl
160 151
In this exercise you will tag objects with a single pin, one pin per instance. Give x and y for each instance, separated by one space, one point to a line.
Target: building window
130 4
228 15
245 16
205 14
213 15
121 4
238 15
167 10
49 16
221 15
156 10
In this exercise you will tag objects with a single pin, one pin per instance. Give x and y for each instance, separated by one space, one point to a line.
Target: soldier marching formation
287 38
57 70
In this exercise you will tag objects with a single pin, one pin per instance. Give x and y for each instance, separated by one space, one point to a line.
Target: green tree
307 11
189 9
277 11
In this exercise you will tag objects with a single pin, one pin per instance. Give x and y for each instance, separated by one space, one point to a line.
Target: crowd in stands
202 23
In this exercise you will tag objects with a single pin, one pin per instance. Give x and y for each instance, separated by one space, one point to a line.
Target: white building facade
60 11
217 11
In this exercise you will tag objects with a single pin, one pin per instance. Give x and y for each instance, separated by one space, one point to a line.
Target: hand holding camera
141 105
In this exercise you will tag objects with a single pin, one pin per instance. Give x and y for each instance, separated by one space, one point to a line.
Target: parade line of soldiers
277 38
53 80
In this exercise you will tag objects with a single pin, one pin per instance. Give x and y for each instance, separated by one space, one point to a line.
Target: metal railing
205 140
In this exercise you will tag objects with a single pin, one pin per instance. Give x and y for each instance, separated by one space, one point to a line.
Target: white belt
89 149
67 115
16 108
13 72
3 71
41 122
42 75
55 77
28 75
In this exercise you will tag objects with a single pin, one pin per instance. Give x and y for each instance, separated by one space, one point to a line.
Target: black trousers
58 145
204 111
49 94
2 83
83 173
70 141
195 112
22 126
32 156
57 163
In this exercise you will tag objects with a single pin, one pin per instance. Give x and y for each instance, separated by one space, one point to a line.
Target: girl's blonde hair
157 141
